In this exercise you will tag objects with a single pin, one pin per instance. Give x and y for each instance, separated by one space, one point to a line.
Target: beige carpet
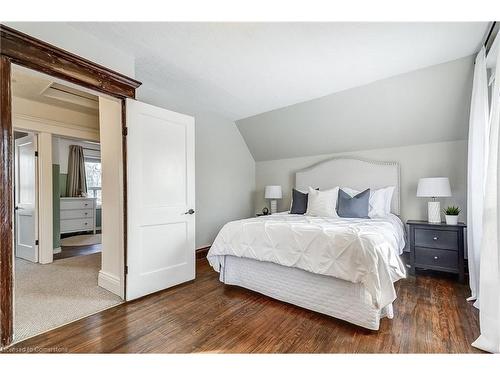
82 240
50 295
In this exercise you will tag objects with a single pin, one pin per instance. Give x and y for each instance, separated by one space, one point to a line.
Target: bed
344 268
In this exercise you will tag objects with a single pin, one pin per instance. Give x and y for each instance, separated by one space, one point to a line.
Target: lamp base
274 206
434 212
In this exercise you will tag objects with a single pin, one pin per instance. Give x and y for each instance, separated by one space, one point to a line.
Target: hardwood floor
431 316
74 251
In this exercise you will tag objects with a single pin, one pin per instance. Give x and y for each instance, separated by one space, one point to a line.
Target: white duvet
357 250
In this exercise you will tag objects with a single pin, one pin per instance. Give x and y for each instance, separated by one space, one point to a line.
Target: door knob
189 212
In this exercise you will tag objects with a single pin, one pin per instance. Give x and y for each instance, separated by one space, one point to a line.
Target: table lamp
273 192
434 187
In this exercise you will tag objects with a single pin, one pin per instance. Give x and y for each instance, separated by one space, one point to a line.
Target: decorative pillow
355 207
389 192
322 203
380 200
299 202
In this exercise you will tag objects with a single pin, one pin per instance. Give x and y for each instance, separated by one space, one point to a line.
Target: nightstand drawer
436 258
438 239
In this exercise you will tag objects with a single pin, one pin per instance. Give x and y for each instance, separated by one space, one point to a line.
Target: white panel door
160 199
25 198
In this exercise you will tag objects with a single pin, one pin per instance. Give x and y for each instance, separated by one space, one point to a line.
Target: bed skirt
324 294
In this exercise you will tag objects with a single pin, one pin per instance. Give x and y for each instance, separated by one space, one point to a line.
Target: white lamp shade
434 187
273 192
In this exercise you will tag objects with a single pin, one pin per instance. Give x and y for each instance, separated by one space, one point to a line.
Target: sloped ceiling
426 106
242 69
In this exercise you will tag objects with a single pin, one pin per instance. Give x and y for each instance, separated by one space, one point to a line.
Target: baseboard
57 250
110 282
202 252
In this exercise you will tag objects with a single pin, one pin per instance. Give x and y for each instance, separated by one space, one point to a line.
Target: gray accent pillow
299 202
355 207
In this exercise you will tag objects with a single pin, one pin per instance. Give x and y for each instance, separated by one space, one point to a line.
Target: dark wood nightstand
437 247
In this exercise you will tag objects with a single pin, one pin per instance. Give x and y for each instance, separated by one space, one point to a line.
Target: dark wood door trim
35 54
24 50
6 206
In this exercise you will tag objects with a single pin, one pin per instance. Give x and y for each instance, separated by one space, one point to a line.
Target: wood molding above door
35 54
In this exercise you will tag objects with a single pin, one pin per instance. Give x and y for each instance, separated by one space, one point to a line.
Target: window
93 176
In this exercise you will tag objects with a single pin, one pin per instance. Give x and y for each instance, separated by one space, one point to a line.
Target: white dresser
78 214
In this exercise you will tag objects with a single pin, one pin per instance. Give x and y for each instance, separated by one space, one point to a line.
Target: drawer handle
436 258
86 204
436 238
86 213
86 223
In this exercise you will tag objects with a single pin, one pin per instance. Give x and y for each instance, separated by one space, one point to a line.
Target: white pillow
380 200
389 192
322 203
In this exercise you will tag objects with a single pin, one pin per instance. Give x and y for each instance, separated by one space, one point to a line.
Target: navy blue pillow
299 202
355 207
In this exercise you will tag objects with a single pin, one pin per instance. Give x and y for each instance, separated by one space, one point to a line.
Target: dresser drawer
74 225
76 204
438 239
434 258
77 214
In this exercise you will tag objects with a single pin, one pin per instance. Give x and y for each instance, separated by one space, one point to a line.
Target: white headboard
351 172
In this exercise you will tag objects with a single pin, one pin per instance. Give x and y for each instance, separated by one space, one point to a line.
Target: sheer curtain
489 276
477 155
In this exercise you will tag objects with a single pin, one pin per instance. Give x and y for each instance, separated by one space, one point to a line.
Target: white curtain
489 277
477 155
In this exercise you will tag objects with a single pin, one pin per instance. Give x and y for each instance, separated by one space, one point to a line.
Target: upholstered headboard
351 172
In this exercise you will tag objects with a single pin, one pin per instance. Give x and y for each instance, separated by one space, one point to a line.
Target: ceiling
243 69
32 86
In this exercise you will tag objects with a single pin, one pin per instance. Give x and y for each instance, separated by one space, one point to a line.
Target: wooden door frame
24 50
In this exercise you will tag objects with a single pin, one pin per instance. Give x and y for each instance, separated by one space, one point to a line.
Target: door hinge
126 270
36 154
125 131
36 242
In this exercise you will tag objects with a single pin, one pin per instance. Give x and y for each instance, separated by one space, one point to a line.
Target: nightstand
437 247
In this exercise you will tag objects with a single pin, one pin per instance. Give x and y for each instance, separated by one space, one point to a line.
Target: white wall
225 169
447 159
225 176
45 199
111 275
65 36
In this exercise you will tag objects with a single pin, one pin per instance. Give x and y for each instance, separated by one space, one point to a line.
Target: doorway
78 214
26 196
145 258
58 231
